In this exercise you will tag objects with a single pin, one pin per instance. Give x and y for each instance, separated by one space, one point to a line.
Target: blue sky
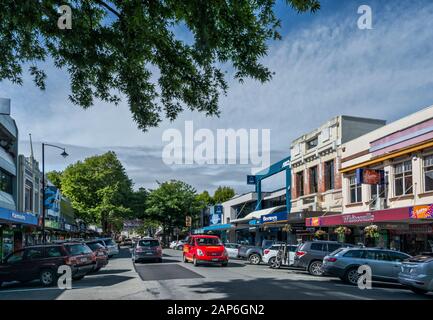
325 66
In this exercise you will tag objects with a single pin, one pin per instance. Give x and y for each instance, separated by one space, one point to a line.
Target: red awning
360 218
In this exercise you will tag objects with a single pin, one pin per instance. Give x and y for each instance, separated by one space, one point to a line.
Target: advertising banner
370 176
421 212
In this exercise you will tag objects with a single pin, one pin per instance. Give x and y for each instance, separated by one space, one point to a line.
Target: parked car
254 254
232 249
417 273
42 262
180 244
101 254
111 246
270 255
147 249
310 254
385 264
127 242
173 244
205 249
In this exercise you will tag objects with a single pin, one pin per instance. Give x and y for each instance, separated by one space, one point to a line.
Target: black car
310 254
42 262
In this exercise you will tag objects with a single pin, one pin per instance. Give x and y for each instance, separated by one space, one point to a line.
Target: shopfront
15 230
408 229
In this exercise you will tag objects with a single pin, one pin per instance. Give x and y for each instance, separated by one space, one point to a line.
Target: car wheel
254 259
315 268
184 259
352 276
160 260
47 277
97 269
195 262
271 262
418 290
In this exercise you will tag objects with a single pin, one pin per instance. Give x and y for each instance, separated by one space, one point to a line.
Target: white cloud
328 68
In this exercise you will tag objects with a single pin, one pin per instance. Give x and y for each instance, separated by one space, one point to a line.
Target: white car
179 245
270 254
111 246
232 249
173 244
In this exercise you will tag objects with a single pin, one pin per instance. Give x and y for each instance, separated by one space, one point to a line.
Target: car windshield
78 249
148 243
95 246
109 242
208 241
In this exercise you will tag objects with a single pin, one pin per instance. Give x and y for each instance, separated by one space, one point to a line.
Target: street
174 279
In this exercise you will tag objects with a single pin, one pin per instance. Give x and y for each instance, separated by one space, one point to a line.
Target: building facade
14 223
316 160
387 184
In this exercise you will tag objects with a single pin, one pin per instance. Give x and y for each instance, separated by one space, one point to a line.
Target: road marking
348 295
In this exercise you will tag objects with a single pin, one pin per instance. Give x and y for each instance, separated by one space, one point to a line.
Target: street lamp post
64 155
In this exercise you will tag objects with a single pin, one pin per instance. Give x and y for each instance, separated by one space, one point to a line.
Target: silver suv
385 264
417 273
310 254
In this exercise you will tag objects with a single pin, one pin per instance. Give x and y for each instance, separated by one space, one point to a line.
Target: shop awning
415 214
218 227
258 214
12 216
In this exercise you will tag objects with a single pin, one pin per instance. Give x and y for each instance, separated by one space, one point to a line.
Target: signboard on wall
421 212
370 176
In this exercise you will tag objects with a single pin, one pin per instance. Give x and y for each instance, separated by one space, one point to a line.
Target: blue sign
253 222
18 217
251 179
274 217
52 198
216 214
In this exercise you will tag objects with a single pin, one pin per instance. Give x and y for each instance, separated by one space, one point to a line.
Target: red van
205 249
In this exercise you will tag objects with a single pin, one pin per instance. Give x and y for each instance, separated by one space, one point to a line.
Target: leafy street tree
56 178
137 203
204 199
223 194
170 203
99 189
138 49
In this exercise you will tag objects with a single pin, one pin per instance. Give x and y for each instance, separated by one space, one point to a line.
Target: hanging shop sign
274 217
217 214
370 176
19 217
251 179
421 212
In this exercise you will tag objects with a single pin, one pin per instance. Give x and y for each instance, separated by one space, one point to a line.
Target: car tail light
266 251
93 256
70 261
331 259
300 253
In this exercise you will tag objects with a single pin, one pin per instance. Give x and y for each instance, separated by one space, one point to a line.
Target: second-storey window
428 173
313 179
300 183
355 190
329 175
403 178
